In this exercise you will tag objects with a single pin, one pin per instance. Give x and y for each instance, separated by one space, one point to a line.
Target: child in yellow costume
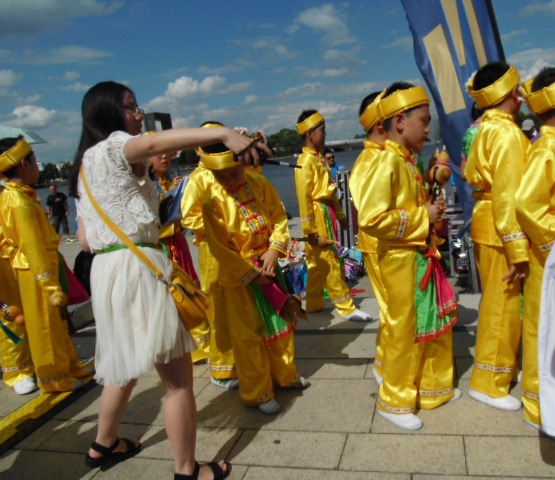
36 266
417 357
320 211
365 164
17 366
247 231
223 372
494 168
535 209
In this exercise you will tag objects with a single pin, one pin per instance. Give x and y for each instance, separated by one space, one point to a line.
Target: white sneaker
25 386
407 421
231 383
357 316
377 376
269 408
503 403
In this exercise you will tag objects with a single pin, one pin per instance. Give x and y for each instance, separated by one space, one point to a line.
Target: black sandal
109 457
217 471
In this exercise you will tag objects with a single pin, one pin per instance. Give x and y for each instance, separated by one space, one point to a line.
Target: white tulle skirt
137 324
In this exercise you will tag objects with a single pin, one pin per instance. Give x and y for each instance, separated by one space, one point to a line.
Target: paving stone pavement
329 431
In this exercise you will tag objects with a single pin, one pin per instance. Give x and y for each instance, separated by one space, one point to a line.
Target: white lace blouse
131 202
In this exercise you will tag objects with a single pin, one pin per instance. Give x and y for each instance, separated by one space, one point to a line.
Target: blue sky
255 64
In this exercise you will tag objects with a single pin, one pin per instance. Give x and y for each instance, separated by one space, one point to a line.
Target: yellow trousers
56 362
530 388
258 364
373 271
324 270
414 374
499 325
222 363
15 359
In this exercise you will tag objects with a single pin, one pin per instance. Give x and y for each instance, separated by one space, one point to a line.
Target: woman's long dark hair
102 115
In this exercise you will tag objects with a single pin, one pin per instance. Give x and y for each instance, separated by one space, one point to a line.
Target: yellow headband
496 92
12 157
402 100
541 100
310 123
370 115
218 161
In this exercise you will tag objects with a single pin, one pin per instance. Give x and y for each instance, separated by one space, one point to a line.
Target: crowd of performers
241 230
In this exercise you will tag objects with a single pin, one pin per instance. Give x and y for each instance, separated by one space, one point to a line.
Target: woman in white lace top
137 324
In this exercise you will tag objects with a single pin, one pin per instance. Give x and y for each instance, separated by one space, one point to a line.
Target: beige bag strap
119 232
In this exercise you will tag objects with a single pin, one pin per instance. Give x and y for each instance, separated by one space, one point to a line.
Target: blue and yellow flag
452 39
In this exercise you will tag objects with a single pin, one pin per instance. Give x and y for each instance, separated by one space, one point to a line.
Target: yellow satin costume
495 167
235 243
36 267
535 209
393 210
315 186
362 169
15 359
222 363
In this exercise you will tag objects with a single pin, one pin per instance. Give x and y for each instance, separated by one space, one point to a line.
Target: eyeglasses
134 110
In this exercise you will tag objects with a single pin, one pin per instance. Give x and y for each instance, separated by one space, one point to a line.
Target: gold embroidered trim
511 237
44 275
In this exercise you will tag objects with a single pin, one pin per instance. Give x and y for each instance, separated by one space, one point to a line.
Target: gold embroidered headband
310 123
12 157
370 115
493 94
541 100
402 100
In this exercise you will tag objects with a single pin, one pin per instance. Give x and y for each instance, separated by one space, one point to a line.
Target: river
282 178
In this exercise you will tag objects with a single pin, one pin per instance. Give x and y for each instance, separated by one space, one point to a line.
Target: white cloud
539 8
75 87
251 99
188 86
71 76
27 17
326 20
405 43
32 116
325 72
530 62
8 78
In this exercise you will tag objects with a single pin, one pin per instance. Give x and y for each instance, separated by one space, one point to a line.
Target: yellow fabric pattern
240 245
15 360
535 198
393 207
363 169
495 166
499 325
